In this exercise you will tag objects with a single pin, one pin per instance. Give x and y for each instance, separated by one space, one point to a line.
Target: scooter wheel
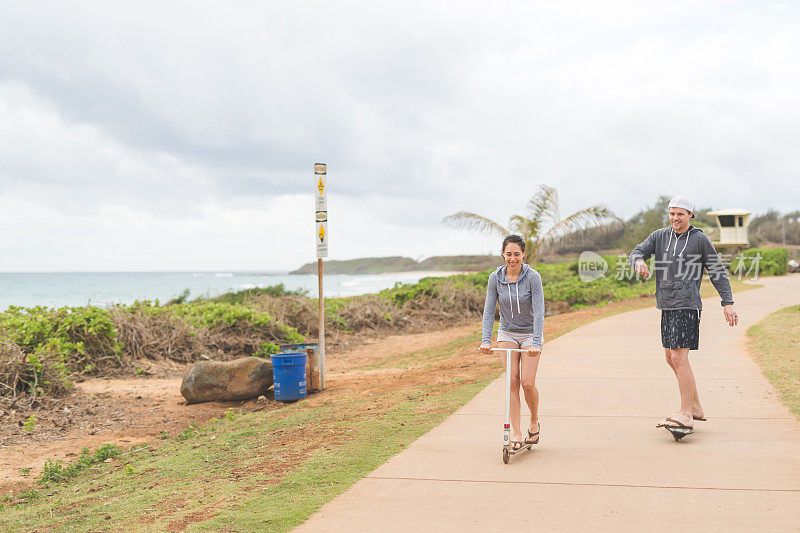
505 455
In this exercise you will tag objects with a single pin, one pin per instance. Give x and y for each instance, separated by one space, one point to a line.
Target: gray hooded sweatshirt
680 260
521 304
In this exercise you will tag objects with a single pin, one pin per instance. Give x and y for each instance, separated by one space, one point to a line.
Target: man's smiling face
679 219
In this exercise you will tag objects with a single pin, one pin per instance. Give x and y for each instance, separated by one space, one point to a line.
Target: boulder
210 381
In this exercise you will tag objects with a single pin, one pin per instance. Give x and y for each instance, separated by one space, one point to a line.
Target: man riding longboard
681 253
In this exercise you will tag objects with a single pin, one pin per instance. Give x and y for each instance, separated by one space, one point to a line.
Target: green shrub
56 471
30 423
242 296
267 349
772 262
214 315
84 336
192 430
334 308
181 298
559 280
41 348
53 471
431 287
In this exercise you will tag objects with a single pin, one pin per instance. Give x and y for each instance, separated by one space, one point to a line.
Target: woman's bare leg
530 365
515 405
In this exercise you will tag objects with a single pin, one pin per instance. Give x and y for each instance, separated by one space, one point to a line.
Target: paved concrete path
601 463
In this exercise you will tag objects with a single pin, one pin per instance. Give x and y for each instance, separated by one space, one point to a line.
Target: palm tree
542 227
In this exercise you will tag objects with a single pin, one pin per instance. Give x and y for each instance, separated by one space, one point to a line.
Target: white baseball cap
683 202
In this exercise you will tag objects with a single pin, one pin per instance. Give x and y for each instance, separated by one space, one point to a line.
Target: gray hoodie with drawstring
680 260
521 304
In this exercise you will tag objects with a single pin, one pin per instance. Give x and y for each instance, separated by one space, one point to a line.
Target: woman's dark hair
515 239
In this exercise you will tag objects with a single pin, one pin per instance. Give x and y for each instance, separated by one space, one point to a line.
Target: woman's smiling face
513 256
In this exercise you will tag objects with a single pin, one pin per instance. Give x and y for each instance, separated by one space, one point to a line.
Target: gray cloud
419 110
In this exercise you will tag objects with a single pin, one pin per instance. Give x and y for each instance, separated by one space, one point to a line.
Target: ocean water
105 288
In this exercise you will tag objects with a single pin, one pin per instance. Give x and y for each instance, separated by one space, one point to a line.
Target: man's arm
718 275
642 253
716 271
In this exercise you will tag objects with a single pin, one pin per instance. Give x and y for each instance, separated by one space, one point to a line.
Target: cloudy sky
182 135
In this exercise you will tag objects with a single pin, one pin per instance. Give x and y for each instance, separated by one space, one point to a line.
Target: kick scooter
507 451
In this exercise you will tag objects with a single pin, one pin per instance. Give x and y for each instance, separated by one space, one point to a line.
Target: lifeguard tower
731 230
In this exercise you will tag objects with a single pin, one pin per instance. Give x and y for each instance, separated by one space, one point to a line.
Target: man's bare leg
697 409
686 384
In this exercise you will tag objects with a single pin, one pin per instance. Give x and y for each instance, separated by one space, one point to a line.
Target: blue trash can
289 376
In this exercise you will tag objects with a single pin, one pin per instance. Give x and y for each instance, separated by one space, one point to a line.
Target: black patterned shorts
680 328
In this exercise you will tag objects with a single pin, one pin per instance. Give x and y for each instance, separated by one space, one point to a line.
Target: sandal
670 422
529 439
516 445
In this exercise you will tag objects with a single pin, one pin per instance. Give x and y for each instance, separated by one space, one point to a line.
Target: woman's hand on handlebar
534 351
486 348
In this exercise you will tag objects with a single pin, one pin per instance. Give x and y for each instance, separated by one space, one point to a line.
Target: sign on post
321 207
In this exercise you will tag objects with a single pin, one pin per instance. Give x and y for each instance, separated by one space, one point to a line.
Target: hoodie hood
501 278
676 238
501 274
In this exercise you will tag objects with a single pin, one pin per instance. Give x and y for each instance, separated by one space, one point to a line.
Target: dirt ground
140 409
133 410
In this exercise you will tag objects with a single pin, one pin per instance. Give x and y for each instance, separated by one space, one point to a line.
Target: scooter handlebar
509 350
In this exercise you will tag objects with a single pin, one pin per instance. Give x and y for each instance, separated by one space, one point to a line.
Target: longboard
679 433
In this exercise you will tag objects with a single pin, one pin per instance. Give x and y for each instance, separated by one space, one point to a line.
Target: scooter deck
508 453
679 433
525 447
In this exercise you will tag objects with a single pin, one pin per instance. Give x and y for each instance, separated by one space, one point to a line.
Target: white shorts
522 339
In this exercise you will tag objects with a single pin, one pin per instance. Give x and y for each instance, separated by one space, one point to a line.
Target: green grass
284 505
235 469
775 345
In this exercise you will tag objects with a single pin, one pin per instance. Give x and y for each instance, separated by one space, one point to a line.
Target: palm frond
543 207
465 220
523 226
529 230
595 216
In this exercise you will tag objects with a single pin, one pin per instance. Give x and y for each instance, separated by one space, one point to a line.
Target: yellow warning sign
320 186
322 240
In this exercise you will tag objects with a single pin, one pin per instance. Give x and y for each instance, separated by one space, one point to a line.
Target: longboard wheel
505 456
